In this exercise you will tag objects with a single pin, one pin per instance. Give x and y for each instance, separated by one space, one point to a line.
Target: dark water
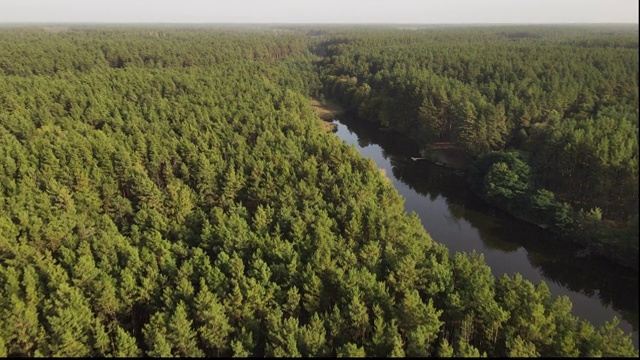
455 217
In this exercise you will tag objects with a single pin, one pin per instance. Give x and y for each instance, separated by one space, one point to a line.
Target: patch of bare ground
326 111
447 154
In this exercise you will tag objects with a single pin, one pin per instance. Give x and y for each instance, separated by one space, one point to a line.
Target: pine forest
170 190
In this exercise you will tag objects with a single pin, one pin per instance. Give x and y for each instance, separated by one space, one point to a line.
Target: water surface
455 217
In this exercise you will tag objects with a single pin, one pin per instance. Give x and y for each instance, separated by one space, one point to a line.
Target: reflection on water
454 216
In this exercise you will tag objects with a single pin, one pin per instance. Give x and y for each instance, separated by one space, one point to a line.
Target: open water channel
457 218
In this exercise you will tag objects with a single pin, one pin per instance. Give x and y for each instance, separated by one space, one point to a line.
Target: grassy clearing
327 111
447 154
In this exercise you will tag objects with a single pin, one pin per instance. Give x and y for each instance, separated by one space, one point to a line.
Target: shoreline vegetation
557 148
442 153
168 192
327 111
449 156
455 158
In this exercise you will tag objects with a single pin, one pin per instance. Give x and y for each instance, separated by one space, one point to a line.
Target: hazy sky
321 11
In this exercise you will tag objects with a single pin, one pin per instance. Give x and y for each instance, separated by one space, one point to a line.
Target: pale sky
320 11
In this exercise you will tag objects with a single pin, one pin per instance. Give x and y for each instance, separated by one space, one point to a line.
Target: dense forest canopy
171 192
550 113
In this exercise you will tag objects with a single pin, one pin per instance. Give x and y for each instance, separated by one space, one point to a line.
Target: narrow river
455 217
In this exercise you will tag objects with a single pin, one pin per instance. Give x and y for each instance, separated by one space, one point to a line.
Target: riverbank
442 153
326 111
455 217
598 239
448 155
595 239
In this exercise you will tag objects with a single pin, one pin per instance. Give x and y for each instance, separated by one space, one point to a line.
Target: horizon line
301 23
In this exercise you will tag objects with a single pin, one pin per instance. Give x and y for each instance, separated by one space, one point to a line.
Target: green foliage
543 203
155 334
351 350
614 342
445 350
567 97
3 349
502 177
125 345
521 348
312 337
169 192
503 184
214 328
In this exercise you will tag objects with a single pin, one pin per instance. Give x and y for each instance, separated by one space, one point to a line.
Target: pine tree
351 350
521 348
70 320
180 333
156 338
312 337
214 328
125 344
445 350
